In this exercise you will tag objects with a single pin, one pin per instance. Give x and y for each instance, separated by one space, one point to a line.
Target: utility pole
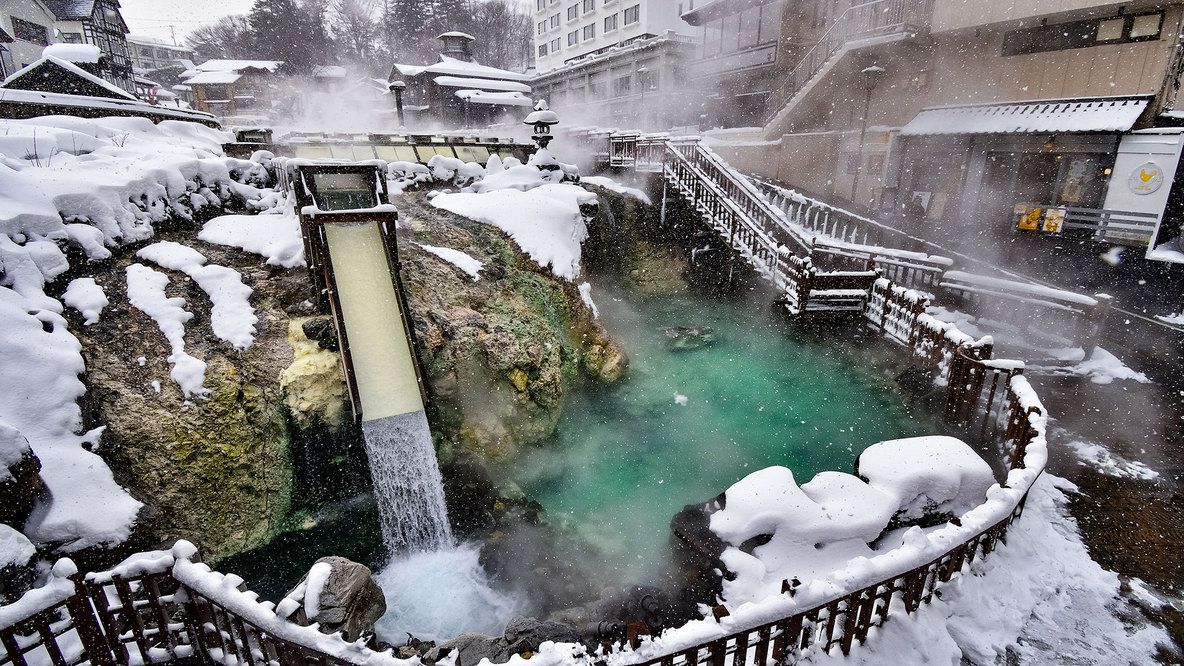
173 32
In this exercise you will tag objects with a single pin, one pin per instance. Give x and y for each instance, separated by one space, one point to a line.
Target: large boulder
340 595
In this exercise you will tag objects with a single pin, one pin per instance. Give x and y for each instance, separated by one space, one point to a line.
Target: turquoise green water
627 458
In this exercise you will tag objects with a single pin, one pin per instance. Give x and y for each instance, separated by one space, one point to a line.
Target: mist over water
438 596
688 423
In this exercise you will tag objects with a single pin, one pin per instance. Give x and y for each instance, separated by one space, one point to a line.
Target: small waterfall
407 483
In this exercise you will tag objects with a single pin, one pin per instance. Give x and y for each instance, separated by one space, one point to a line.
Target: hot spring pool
693 416
691 420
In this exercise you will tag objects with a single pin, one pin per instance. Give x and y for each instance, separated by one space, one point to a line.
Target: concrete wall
804 160
959 14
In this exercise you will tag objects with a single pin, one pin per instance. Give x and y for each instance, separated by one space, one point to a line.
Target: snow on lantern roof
78 53
495 98
481 84
457 34
455 67
1095 114
213 78
544 116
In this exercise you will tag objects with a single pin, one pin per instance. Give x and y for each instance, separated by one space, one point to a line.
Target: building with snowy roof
149 54
54 86
459 91
99 23
981 119
233 88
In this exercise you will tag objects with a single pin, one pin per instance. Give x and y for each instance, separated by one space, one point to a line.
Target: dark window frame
28 31
1074 35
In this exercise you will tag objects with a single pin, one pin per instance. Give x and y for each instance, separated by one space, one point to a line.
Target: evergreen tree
285 30
451 15
406 24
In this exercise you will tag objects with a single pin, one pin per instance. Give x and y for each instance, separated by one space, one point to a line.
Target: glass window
610 23
771 22
1146 26
573 38
589 5
730 32
573 12
750 21
541 4
633 14
555 45
30 32
555 21
72 37
589 32
542 27
622 85
711 37
542 50
1110 30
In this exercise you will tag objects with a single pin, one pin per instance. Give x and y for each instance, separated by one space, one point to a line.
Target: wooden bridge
820 258
167 607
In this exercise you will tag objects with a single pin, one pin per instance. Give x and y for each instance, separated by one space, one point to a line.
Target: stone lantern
542 118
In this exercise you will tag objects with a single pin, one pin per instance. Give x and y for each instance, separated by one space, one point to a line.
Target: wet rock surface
497 351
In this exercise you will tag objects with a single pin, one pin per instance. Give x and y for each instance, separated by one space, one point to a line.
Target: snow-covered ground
71 184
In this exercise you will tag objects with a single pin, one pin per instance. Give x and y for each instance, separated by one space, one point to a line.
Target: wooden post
98 650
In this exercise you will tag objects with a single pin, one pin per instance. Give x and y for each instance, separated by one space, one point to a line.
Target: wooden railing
161 607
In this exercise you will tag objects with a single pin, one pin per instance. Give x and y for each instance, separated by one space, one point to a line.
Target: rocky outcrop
214 470
497 351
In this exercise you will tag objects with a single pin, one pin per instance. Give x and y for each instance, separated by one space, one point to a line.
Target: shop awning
1096 114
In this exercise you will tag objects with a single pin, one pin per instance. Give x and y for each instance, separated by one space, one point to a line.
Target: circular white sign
1146 178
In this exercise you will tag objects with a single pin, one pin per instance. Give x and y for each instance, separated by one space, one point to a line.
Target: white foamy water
407 484
438 596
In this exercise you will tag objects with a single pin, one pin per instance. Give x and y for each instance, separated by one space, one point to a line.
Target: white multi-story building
149 53
566 30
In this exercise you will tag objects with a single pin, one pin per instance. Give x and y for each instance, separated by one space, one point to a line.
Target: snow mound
469 265
232 317
15 549
927 475
87 297
13 447
545 221
276 237
40 361
145 291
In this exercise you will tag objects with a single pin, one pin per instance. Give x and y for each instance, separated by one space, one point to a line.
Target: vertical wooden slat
50 643
11 647
131 616
97 646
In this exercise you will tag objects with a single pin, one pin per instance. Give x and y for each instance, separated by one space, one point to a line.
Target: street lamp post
871 75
